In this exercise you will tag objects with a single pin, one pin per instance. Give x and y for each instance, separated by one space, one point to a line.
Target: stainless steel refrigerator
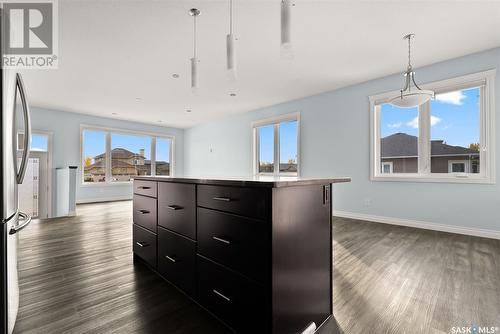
12 172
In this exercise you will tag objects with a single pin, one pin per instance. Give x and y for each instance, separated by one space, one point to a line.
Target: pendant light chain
409 51
194 37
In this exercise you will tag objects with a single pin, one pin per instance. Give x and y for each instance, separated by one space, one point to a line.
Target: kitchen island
256 253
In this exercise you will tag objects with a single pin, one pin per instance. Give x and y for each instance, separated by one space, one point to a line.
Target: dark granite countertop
264 181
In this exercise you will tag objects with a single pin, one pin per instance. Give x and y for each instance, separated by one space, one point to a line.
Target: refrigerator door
12 274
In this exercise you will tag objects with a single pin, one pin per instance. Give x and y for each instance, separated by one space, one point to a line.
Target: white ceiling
112 52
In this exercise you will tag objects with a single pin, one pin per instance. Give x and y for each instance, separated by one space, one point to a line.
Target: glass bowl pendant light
411 95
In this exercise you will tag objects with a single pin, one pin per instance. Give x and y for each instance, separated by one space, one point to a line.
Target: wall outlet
368 201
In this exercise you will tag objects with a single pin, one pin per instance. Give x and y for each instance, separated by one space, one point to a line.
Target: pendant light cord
194 37
231 17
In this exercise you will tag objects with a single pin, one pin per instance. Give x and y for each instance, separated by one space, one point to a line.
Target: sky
454 118
288 142
95 144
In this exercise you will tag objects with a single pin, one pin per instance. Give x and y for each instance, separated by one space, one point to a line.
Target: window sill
443 178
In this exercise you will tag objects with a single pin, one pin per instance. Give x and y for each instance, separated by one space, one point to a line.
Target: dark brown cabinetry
255 254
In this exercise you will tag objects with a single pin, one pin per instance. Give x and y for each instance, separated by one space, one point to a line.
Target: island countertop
263 181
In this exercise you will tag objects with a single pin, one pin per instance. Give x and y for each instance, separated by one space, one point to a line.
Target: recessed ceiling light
114 113
188 110
175 75
138 99
159 121
232 94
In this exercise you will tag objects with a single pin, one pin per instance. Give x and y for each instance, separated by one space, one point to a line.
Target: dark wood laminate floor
391 279
77 276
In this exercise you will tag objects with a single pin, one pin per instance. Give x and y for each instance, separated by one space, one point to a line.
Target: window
276 146
117 156
39 142
130 156
449 139
386 167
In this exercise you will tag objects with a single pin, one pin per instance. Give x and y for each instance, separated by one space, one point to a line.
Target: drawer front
144 245
146 188
145 212
177 260
234 299
240 243
251 202
177 208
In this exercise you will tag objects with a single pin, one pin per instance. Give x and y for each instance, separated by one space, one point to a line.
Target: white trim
275 121
477 232
486 81
104 199
108 132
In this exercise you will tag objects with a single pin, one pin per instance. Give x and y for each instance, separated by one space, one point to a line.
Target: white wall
335 142
65 127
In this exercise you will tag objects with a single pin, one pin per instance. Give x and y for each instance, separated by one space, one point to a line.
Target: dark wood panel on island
254 253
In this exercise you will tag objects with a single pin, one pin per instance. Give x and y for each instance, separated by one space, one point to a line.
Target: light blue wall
335 141
65 127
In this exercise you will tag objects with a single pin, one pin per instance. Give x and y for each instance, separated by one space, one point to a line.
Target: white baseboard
420 224
103 199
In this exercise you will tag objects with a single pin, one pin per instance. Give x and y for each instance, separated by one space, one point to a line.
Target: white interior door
33 192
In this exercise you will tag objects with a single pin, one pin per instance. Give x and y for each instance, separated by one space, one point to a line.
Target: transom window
276 146
448 139
113 156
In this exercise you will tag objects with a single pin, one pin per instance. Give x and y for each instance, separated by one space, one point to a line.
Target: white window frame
487 174
275 121
108 131
386 163
466 164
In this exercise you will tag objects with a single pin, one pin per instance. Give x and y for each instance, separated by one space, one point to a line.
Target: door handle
222 199
174 207
227 242
143 187
27 128
171 259
27 221
227 299
142 244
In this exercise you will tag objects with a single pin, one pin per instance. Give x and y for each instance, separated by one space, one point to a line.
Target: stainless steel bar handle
27 221
223 199
27 128
222 240
174 207
170 259
141 244
143 212
221 295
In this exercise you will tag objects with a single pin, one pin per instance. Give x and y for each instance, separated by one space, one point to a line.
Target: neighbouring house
124 166
399 155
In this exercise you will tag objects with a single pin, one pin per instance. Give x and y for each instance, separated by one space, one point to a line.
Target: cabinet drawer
146 188
177 208
177 260
233 298
145 212
251 202
243 244
144 245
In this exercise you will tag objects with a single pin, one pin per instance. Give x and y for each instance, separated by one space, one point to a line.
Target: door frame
50 141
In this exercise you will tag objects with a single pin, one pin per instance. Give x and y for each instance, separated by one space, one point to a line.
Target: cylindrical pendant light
286 18
230 47
194 12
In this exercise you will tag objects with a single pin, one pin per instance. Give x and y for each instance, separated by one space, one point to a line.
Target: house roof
122 164
404 145
120 153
